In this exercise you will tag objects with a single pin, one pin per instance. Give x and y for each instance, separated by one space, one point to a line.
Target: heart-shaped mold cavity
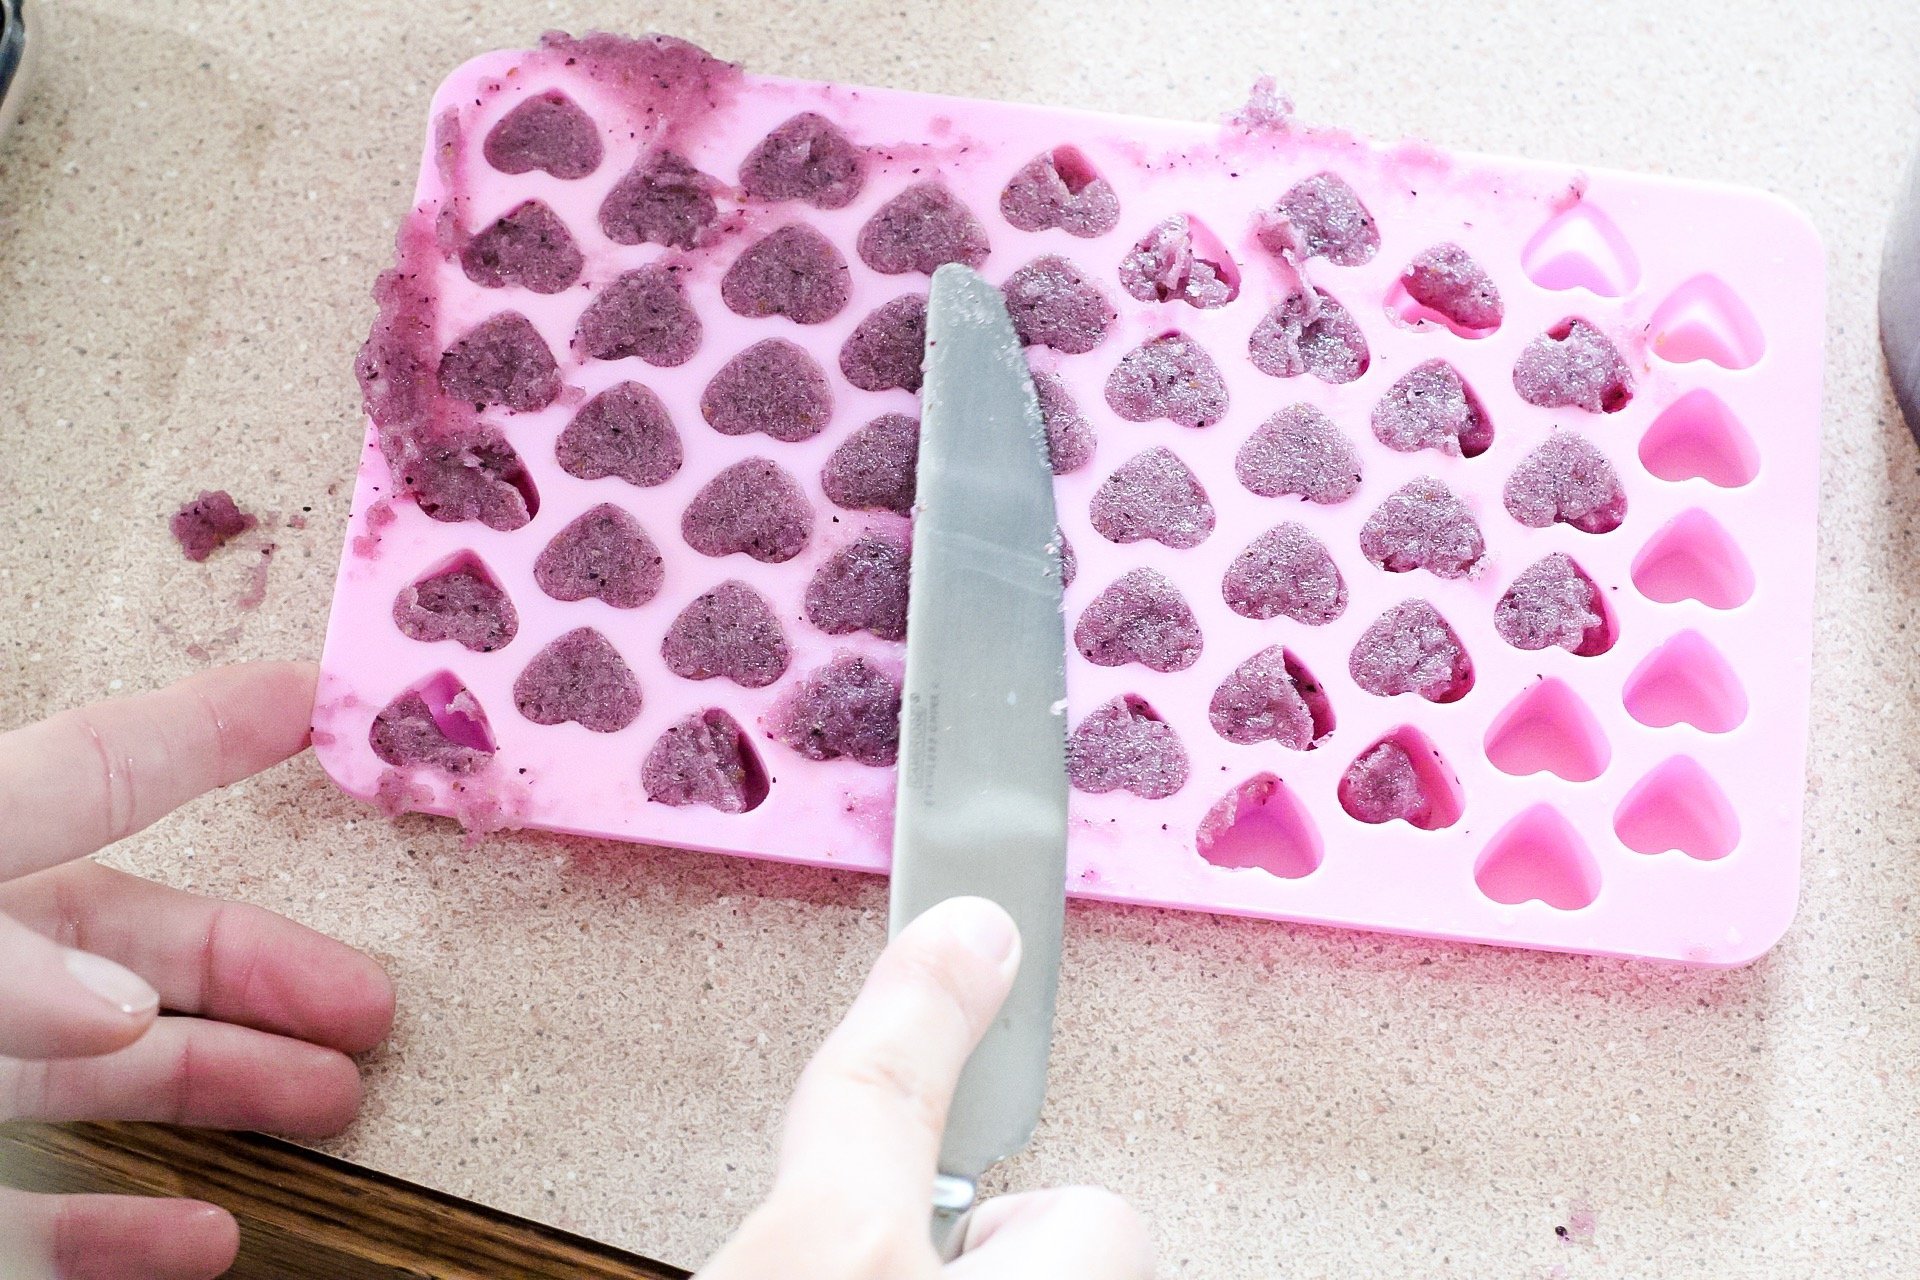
873 469
579 677
1580 248
1299 451
885 349
1070 438
1445 285
705 759
548 132
501 361
923 227
1260 825
773 386
437 724
793 272
1321 217
1123 744
460 600
1053 304
602 553
1686 681
848 708
752 507
1697 435
1060 188
1680 807
1421 525
1411 649
1153 495
662 200
1548 729
643 313
1540 856
624 431
1143 618
1309 332
1169 377
528 247
1569 481
1431 407
1573 365
862 587
1285 572
1181 259
1272 697
1554 602
1403 776
468 473
728 633
1704 319
805 157
1692 557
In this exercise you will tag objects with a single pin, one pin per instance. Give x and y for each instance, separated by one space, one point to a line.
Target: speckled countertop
603 1037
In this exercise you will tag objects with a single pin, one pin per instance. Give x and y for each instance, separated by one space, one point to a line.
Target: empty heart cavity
1171 377
601 553
437 724
1299 451
1272 697
1686 681
1431 407
752 507
1539 856
624 431
1421 525
1308 331
1181 259
1070 439
1153 495
501 361
705 759
1124 745
1446 286
662 200
1403 776
1321 217
643 313
1060 188
1053 304
924 227
1288 572
1260 825
546 132
793 272
848 708
1566 481
1141 617
1411 648
580 677
1548 729
806 157
528 247
1580 248
862 587
1698 436
1678 806
773 386
1573 365
1693 557
1704 319
459 600
885 349
727 633
1553 602
874 468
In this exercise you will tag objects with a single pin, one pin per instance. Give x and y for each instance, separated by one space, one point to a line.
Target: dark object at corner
1900 298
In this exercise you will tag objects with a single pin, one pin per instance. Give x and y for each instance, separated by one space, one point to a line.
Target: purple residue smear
256 593
209 522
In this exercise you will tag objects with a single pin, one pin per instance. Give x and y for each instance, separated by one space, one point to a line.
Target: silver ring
15 48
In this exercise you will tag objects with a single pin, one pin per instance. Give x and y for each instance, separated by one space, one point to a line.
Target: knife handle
953 1200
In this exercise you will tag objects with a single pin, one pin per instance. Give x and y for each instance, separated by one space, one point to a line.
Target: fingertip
204 1245
367 1008
134 1238
979 927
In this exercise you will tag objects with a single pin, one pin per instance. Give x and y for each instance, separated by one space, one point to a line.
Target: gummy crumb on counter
209 522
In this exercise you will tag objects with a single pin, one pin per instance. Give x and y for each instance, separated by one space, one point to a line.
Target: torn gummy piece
1266 699
704 759
1445 279
1431 407
1382 785
207 523
1123 745
460 603
1573 364
1059 188
405 733
1568 480
1552 603
1309 333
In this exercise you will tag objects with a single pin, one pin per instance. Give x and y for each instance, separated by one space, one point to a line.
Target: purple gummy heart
1299 451
873 469
1164 266
1139 618
207 523
1288 572
642 313
461 603
1431 407
772 386
1060 189
1573 364
1421 525
1566 479
862 587
1052 304
753 507
406 733
624 431
805 158
1445 279
529 247
470 473
548 132
1322 217
1123 744
1271 698
794 272
1382 785
501 361
705 759
1309 332
1553 602
729 632
579 677
850 707
1168 377
603 553
1411 649
923 227
885 349
1153 495
662 200
1069 436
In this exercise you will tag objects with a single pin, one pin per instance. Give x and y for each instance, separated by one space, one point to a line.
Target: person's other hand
854 1186
121 999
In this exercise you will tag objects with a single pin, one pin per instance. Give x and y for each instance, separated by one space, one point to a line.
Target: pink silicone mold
628 542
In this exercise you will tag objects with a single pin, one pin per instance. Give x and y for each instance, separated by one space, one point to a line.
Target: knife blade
981 801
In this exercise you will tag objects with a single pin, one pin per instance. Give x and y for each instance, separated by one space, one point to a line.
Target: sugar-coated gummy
727 633
805 158
1309 332
526 247
624 431
1286 572
501 361
207 523
704 759
1567 480
1446 279
643 313
1382 785
1059 188
1321 216
1262 700
862 587
773 386
849 707
1164 267
885 349
1551 603
1123 745
1422 525
793 272
662 200
1299 451
405 733
1573 364
1070 439
873 469
1141 617
469 473
1169 377
1053 304
546 132
1411 649
1431 407
1153 495
460 603
604 553
923 227
753 507
579 677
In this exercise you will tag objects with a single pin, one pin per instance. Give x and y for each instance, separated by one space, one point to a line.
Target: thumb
63 1003
1070 1231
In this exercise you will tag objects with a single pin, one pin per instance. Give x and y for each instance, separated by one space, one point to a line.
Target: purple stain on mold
603 553
923 227
1070 437
1052 304
873 469
862 587
1422 525
805 158
528 247
501 361
1411 649
662 200
407 733
1568 480
1059 188
1168 377
207 523
461 603
727 633
1322 217
885 349
752 507
1309 332
774 387
1382 785
1123 745
470 473
1553 603
1141 618
1573 364
579 677
793 272
1431 407
546 132
643 313
705 759
1447 280
624 431
848 708
1299 452
1153 495
1285 572
1270 698
1165 266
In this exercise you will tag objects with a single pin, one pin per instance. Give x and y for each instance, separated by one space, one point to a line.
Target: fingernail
983 928
120 987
